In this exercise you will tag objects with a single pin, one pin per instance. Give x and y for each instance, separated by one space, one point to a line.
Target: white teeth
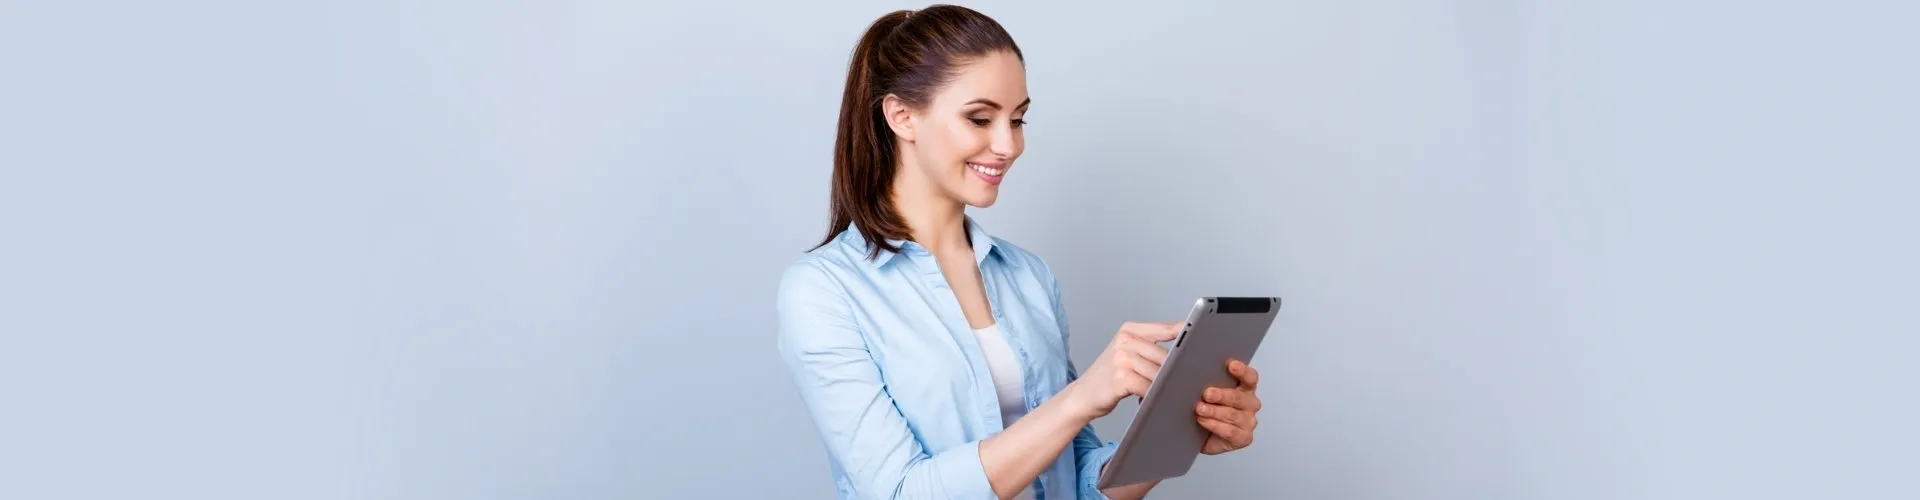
989 171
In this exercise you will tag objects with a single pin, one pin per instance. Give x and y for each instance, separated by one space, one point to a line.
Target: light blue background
493 250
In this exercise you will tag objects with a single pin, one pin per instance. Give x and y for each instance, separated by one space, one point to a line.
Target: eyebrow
995 105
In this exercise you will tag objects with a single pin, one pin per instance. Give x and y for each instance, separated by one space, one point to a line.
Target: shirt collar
983 245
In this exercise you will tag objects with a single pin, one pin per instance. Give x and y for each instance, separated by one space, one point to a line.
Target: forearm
1014 457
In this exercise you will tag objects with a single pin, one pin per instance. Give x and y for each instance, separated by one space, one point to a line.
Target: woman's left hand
1228 413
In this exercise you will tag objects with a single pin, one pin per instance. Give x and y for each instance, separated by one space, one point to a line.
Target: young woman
932 356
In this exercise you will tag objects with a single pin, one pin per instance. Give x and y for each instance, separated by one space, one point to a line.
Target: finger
1133 374
1155 331
1140 365
1234 436
1151 332
1249 377
1151 351
1239 418
1215 446
1137 386
1236 398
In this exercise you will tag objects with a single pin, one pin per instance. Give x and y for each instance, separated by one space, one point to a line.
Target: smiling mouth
987 171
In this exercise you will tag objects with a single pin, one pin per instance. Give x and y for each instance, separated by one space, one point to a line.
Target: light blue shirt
895 382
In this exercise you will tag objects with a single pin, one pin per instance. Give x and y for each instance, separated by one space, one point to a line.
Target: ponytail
863 149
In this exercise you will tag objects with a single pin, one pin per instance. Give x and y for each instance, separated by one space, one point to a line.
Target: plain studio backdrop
527 249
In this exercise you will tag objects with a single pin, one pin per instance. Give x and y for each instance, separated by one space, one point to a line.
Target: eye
980 122
1019 122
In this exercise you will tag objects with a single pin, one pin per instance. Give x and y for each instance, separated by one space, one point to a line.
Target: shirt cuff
961 469
1096 459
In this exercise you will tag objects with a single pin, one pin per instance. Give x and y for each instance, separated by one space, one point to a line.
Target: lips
991 175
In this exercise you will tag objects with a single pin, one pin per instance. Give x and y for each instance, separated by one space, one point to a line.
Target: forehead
998 76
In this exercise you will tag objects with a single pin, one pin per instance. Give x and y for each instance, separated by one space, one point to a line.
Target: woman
931 356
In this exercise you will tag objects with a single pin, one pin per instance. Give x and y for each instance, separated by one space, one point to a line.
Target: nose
1006 142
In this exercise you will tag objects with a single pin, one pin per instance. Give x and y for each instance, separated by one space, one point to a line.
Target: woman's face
965 140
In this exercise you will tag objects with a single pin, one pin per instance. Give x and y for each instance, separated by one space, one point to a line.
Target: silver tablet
1165 436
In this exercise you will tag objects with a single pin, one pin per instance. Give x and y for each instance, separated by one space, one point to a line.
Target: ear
899 116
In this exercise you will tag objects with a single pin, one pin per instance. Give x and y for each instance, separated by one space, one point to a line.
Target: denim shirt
896 384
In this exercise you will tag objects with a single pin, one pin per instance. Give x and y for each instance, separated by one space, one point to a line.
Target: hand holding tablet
1230 413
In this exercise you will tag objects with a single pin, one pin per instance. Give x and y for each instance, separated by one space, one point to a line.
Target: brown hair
909 54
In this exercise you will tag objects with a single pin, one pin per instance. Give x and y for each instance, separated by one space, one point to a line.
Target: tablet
1165 436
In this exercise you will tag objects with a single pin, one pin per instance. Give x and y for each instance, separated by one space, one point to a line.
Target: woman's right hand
1125 368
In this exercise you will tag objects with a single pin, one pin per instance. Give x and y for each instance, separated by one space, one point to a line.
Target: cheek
966 141
939 146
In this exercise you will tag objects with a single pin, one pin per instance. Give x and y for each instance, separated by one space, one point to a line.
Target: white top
1008 381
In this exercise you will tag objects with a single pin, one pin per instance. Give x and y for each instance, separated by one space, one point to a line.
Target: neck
933 220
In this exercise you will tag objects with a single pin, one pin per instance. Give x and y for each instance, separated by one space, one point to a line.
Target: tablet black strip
1240 305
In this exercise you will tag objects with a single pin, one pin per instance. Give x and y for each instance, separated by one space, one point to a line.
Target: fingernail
1204 410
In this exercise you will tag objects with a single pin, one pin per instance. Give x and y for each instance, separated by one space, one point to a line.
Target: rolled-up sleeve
842 389
1092 455
1089 452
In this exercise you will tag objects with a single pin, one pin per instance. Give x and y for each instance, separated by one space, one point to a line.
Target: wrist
1075 403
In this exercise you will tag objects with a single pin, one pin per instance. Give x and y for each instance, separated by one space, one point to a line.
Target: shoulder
820 270
828 271
814 308
1019 258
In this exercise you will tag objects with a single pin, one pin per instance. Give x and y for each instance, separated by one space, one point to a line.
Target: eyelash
982 122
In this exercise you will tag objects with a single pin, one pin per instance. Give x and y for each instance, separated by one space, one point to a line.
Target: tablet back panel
1164 438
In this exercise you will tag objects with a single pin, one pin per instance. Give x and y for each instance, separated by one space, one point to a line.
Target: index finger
1249 377
1159 331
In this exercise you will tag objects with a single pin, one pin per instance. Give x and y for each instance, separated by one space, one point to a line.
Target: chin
983 200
